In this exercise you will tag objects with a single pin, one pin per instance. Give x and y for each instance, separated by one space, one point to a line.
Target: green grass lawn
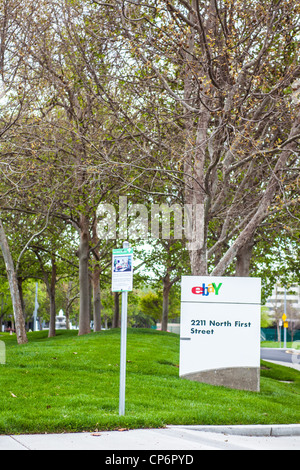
71 383
278 345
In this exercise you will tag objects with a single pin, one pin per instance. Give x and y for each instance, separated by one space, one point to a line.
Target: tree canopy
159 101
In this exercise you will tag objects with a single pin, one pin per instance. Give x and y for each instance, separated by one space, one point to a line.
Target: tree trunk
20 287
116 318
51 332
198 262
95 279
67 315
13 285
96 298
194 164
166 291
243 259
68 305
84 285
278 332
51 288
196 200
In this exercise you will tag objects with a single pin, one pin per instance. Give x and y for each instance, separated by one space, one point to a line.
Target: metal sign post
284 317
285 326
36 306
280 325
122 276
123 354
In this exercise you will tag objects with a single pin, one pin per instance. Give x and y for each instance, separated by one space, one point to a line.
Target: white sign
220 323
243 290
122 270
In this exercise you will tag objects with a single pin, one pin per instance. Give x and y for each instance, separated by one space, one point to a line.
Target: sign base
240 378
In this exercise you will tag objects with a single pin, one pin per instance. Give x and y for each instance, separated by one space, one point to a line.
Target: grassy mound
71 383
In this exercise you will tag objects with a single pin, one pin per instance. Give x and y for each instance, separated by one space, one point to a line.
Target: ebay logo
206 290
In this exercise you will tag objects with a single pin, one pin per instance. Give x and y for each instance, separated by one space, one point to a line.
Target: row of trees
144 307
162 101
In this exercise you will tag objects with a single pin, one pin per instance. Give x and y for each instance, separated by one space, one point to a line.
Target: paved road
281 356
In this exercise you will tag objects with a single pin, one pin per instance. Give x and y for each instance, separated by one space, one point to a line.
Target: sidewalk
172 438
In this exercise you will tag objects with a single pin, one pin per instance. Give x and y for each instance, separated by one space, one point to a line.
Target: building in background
285 301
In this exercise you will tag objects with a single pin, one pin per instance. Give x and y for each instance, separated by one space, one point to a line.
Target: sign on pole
220 331
122 281
122 269
284 317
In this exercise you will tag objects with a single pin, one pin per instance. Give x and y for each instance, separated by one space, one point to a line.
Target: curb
274 430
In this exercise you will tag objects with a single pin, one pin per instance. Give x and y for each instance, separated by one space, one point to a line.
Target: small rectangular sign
122 270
